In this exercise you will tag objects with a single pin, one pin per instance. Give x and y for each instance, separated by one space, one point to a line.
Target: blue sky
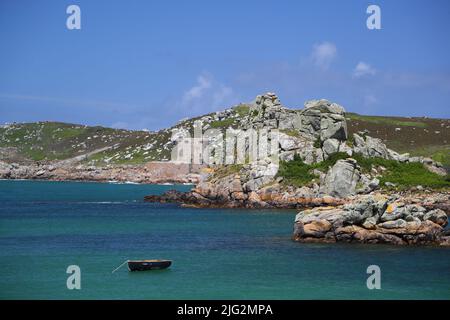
147 64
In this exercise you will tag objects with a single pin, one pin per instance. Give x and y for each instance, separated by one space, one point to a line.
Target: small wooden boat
144 265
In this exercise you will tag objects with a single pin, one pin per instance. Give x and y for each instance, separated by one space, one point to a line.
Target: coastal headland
340 169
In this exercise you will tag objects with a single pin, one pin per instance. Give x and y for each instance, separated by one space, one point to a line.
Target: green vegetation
44 141
442 156
439 153
298 173
226 170
393 121
242 110
350 141
403 175
406 175
222 123
35 140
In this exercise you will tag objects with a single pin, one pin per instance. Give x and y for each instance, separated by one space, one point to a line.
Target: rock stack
268 112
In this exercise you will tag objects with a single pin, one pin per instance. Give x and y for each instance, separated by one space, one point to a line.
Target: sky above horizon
148 64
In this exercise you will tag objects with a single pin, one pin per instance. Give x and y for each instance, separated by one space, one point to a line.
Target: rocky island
334 167
352 189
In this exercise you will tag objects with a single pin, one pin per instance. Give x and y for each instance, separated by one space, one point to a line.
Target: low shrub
403 175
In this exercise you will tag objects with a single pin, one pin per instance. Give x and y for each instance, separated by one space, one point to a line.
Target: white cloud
323 54
363 69
204 82
206 95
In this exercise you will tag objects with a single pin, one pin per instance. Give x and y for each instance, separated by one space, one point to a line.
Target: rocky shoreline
267 199
410 218
149 173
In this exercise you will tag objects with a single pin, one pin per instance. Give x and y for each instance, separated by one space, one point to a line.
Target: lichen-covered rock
268 112
257 174
330 146
341 179
437 216
288 143
365 221
370 147
316 228
399 223
323 119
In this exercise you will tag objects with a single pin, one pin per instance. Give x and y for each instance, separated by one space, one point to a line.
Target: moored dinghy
144 265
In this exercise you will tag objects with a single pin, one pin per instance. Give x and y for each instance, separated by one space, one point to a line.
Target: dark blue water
217 254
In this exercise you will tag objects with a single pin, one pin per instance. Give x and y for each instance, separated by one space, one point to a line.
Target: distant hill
47 141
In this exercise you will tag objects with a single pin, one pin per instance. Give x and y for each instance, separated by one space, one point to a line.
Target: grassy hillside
49 141
418 136
43 141
46 141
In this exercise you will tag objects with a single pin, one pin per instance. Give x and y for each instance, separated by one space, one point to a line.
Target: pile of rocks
237 189
319 119
373 219
267 112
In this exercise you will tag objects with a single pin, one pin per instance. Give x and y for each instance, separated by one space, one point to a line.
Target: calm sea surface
217 254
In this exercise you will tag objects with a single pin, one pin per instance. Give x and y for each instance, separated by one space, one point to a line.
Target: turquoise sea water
217 254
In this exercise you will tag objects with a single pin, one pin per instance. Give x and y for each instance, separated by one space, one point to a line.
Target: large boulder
287 142
341 179
374 147
257 174
437 216
323 119
330 146
5 170
316 228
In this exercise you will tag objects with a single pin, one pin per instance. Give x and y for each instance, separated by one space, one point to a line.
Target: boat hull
146 265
